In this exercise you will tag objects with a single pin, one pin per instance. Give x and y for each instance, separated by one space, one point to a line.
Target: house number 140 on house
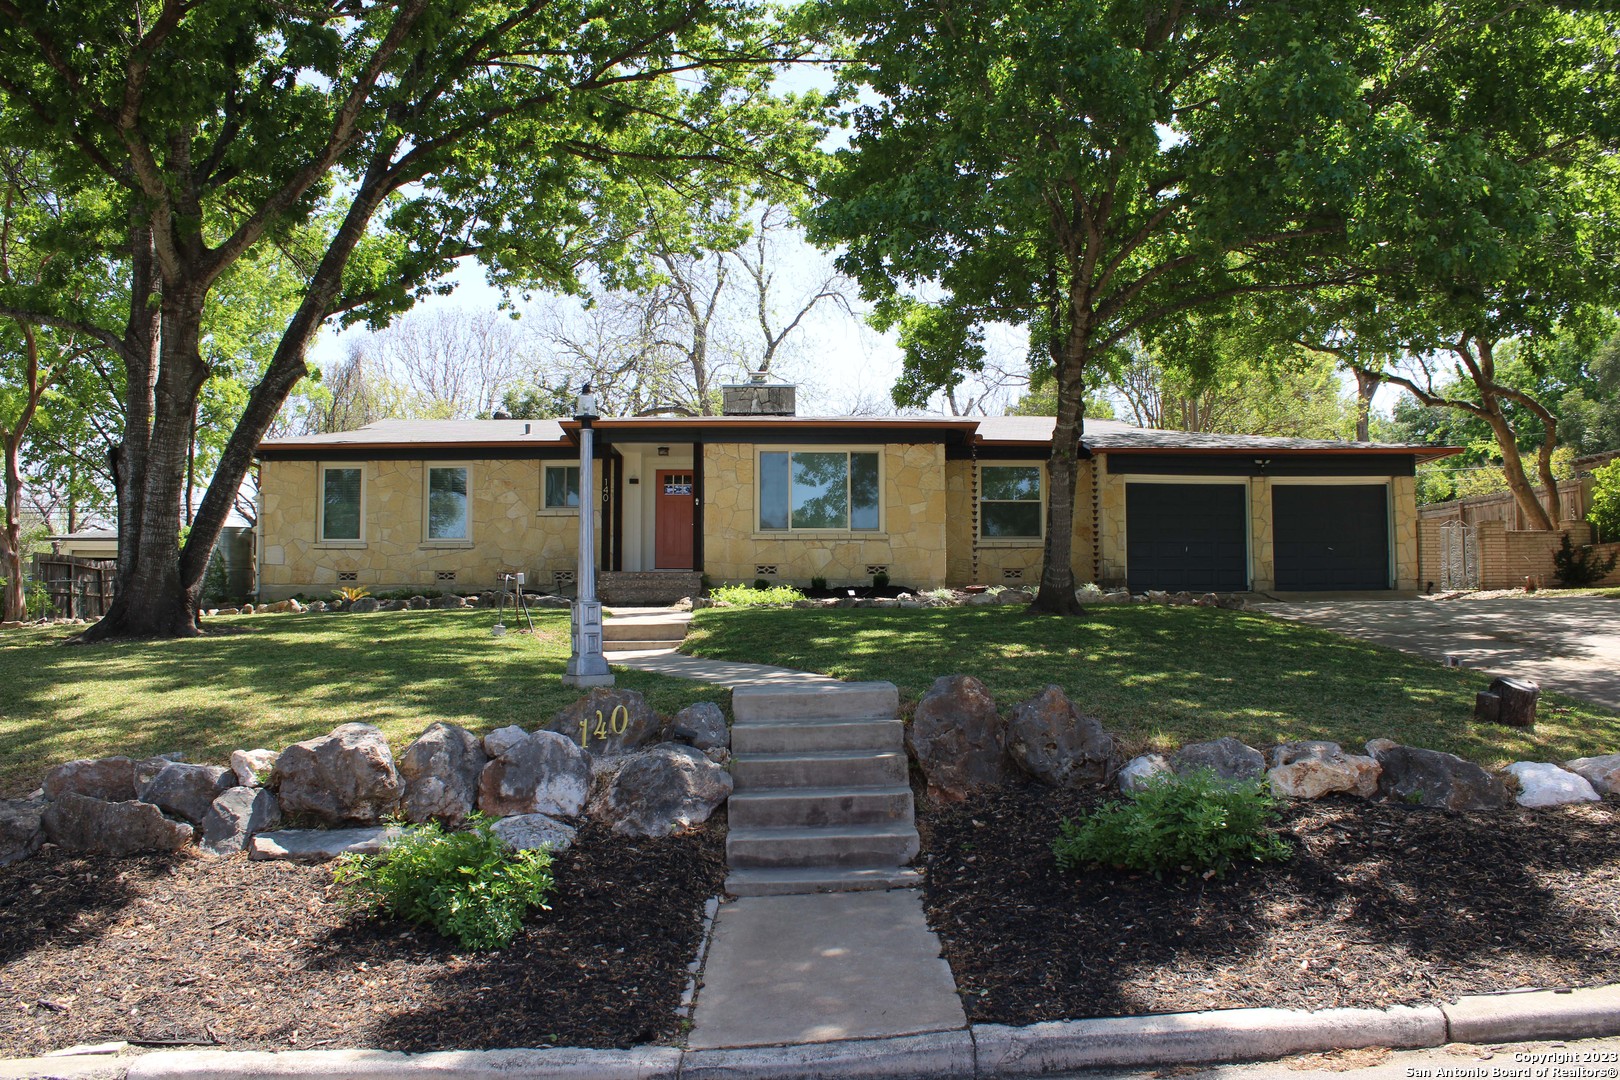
616 723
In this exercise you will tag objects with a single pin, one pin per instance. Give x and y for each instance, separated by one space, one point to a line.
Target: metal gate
1459 556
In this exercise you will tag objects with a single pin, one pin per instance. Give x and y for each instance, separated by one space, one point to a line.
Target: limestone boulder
956 737
21 830
1312 769
1603 773
252 767
701 725
608 721
441 771
110 778
525 832
501 740
1434 778
1541 784
347 777
321 845
77 822
365 605
545 773
1053 741
1141 771
1227 758
187 791
667 789
239 814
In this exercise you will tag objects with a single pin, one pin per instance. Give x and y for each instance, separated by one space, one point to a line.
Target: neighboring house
437 505
86 544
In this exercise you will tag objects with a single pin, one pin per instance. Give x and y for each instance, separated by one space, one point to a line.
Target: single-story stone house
436 505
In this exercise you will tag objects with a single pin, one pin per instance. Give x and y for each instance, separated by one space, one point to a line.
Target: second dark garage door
1186 536
1330 537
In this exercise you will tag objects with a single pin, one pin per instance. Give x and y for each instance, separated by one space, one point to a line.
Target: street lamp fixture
586 664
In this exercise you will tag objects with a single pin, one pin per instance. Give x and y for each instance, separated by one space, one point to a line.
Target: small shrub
948 595
880 581
350 593
1604 513
819 583
1576 567
465 885
761 583
743 596
1193 823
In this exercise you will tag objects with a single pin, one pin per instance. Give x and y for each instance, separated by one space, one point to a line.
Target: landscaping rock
1541 784
666 789
1014 596
1312 769
21 831
956 737
1603 773
454 600
321 845
441 770
77 822
1050 739
1141 771
546 773
526 832
347 777
1433 778
614 722
108 778
187 791
236 816
365 605
1226 757
253 767
501 740
702 725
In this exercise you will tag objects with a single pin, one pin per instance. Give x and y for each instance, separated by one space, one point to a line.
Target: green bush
1577 567
465 885
1604 513
819 583
1193 823
744 596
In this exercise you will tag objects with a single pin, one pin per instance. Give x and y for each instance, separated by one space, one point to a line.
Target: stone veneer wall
509 530
997 557
1403 501
911 545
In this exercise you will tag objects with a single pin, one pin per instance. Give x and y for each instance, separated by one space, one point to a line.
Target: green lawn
271 680
1163 676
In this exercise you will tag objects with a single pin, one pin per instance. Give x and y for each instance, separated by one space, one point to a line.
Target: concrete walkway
731 673
821 968
1566 643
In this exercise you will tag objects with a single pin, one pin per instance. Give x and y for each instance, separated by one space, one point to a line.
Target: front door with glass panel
674 520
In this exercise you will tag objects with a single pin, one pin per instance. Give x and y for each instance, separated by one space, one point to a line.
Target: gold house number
617 723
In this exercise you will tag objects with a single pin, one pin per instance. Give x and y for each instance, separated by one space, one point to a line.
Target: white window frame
882 507
1008 541
546 466
320 504
428 540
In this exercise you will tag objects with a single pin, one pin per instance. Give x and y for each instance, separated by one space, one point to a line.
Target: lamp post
586 664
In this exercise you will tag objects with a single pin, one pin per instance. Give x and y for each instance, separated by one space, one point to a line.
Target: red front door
674 521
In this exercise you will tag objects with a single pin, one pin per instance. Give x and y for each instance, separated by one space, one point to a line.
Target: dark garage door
1186 536
1330 537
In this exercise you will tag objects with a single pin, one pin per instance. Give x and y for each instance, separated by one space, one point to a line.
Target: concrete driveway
1566 643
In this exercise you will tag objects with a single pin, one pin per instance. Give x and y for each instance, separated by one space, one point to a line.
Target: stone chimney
756 397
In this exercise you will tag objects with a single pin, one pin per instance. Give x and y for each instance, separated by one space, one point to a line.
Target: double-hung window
1010 504
447 516
562 487
341 505
818 490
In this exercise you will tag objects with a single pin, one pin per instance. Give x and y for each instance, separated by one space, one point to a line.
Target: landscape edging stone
559 1063
901 1057
1537 1014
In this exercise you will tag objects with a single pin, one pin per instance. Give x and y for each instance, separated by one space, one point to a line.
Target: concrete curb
983 1050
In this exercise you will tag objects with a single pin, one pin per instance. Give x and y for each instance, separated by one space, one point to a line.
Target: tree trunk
1056 594
14 602
1366 386
1535 515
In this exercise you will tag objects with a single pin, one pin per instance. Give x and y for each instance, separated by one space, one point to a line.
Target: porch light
586 664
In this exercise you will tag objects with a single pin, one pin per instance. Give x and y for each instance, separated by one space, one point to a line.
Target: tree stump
1513 704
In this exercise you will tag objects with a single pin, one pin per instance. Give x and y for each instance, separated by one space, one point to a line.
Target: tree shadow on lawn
1164 676
1379 905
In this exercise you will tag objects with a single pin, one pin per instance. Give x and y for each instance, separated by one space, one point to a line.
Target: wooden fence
78 588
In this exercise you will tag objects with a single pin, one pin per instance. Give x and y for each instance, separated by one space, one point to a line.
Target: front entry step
823 801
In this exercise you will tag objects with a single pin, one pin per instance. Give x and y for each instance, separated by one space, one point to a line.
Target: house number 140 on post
616 723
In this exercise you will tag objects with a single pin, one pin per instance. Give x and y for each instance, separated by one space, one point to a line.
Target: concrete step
806 736
660 629
809 701
842 845
795 880
822 806
822 769
609 645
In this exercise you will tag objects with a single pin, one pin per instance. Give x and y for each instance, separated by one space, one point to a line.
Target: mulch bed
1380 905
183 949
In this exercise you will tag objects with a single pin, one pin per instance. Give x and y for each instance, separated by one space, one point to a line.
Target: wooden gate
78 588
